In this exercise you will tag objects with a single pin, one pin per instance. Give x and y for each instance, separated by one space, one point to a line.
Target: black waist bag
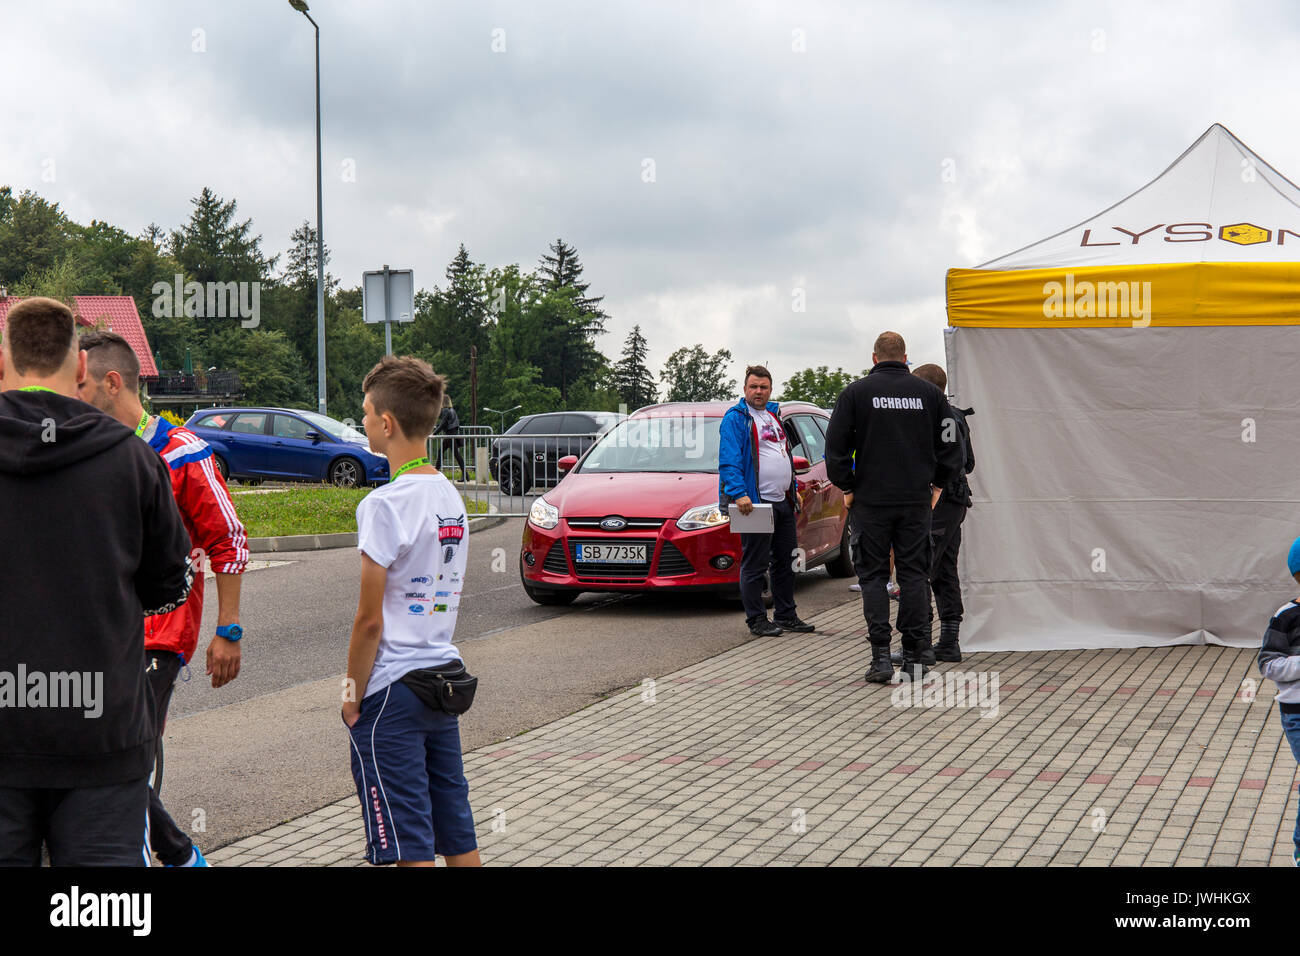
449 688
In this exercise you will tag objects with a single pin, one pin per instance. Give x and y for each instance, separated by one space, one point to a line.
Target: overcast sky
713 162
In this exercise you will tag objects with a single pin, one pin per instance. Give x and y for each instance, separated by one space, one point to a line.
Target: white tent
1136 382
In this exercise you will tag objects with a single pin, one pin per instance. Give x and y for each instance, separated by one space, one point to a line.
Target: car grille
611 572
673 562
633 524
555 563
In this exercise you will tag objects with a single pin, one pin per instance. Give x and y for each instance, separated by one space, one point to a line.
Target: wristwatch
231 632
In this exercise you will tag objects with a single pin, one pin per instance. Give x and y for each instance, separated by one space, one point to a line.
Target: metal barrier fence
503 473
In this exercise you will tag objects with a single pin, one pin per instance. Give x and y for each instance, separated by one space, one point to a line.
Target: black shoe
882 669
948 649
928 658
764 628
794 624
913 671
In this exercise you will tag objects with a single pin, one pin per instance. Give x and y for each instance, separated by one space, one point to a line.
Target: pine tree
576 321
451 320
465 305
563 269
632 378
214 247
301 267
290 305
155 235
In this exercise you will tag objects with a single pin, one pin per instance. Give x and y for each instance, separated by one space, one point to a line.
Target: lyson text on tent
1101 300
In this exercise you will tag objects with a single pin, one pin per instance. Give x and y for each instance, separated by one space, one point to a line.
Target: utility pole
473 383
301 7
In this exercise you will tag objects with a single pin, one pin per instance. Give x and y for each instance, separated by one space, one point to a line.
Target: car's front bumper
682 560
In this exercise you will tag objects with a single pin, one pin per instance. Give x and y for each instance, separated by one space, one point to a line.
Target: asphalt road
271 746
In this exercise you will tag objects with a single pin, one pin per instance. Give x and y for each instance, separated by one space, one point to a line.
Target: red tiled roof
118 311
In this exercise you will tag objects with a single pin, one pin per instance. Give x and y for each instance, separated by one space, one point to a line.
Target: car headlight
702 516
544 514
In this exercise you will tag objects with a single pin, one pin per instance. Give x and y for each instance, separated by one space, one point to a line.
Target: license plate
611 553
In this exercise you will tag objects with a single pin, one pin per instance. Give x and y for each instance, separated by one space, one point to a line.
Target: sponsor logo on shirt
422 579
416 608
439 608
450 533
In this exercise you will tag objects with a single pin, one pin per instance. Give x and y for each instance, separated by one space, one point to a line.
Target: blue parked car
288 445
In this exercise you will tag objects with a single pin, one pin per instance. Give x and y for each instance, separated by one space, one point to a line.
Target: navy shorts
407 767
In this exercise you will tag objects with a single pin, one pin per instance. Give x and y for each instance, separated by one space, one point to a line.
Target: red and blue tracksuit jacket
209 517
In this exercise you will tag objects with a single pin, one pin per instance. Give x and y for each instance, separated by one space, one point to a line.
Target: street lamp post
502 414
301 7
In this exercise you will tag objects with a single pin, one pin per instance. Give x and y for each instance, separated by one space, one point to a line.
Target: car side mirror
801 464
567 462
313 436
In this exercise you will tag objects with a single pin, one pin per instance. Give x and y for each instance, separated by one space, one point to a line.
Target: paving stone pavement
777 752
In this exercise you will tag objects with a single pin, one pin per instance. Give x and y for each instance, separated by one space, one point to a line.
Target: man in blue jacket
755 465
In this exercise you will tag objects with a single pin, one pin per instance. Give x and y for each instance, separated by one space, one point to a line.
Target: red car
639 510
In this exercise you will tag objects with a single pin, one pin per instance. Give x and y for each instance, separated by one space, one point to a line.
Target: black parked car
526 455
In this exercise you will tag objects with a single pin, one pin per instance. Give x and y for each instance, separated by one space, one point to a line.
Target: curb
345 539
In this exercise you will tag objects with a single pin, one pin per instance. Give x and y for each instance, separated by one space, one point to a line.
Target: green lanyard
408 466
36 388
144 423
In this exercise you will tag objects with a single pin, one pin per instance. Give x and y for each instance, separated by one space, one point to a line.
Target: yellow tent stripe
1194 293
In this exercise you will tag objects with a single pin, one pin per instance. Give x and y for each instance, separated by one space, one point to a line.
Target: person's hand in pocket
351 713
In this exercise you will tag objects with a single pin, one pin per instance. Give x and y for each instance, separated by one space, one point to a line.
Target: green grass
306 509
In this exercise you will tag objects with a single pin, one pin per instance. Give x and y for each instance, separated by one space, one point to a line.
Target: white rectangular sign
390 301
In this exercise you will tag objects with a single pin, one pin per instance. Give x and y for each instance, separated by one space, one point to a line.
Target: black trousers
83 826
761 553
168 840
457 445
905 529
945 543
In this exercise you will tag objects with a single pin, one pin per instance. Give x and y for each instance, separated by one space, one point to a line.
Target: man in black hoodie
92 543
891 445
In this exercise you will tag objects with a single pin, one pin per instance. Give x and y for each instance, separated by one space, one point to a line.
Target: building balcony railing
212 385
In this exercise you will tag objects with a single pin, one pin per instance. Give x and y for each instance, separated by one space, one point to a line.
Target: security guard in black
892 439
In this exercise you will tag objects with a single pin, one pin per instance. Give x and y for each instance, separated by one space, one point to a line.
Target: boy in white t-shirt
412 534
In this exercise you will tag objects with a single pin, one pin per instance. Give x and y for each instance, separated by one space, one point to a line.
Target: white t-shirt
416 528
773 466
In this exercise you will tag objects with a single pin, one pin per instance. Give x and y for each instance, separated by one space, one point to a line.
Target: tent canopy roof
1217 202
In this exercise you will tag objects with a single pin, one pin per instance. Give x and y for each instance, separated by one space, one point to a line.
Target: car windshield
684 444
336 430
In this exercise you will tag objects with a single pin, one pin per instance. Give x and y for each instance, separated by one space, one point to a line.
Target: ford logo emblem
613 524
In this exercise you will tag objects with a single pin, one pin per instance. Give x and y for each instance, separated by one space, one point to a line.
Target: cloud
793 143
